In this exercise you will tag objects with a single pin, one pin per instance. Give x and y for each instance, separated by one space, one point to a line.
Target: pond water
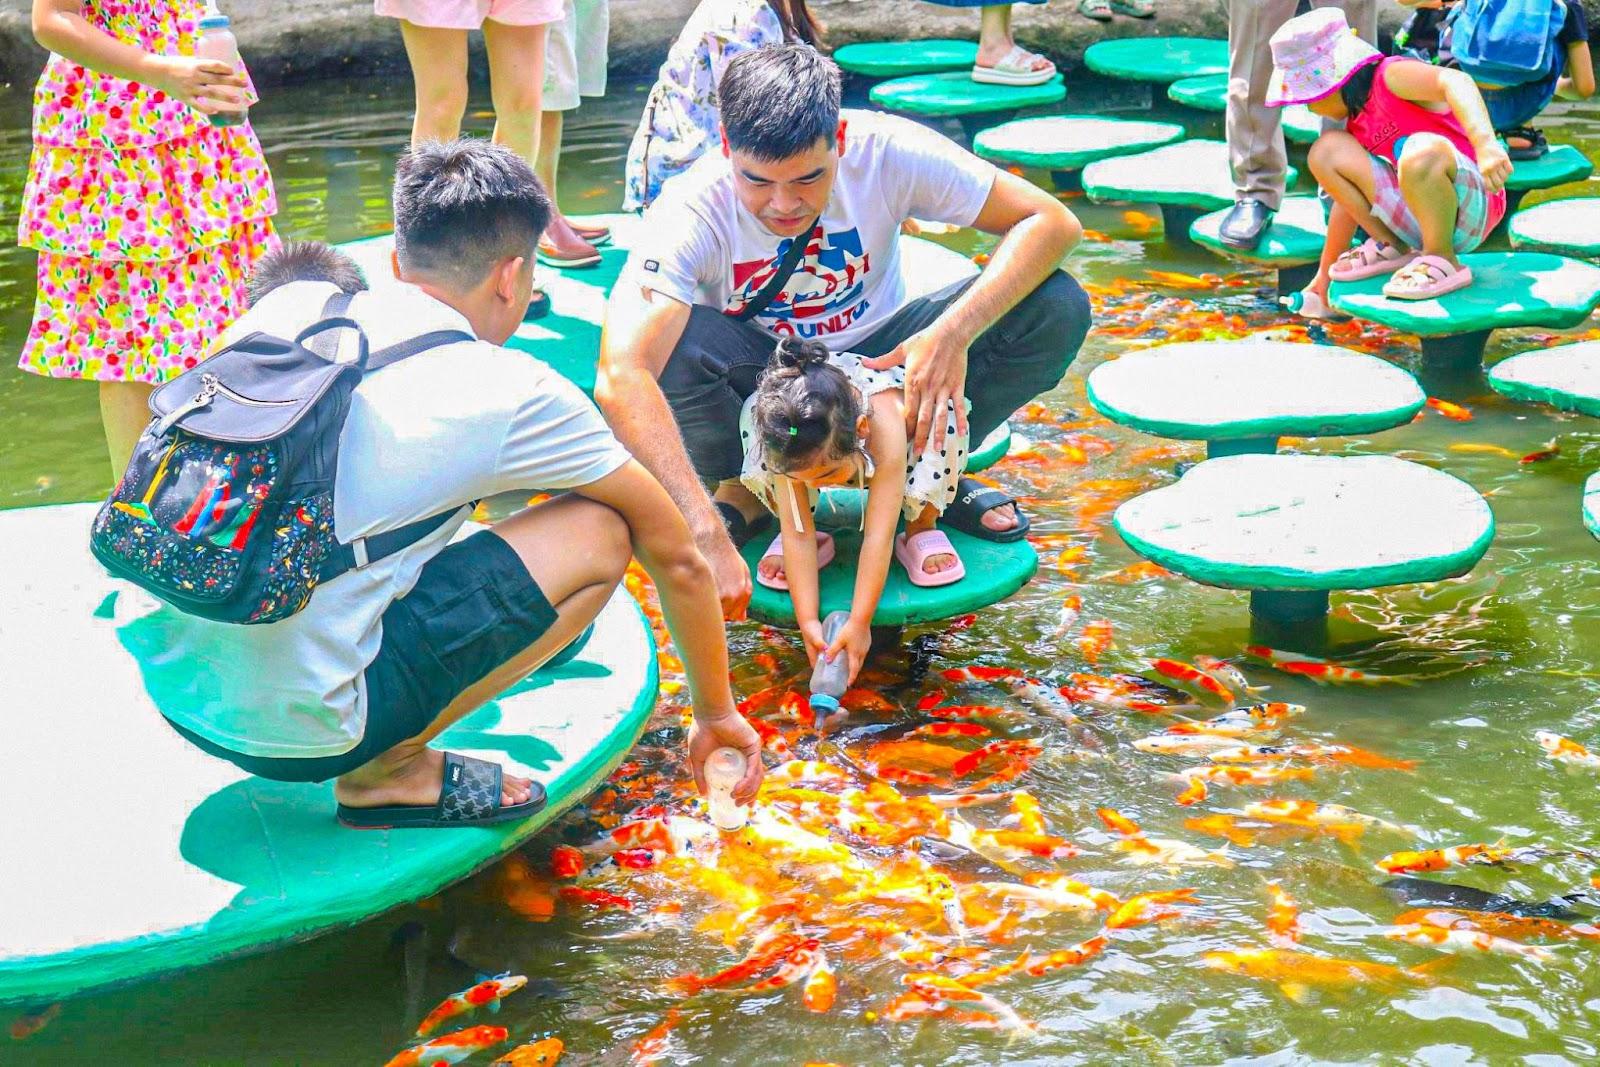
1510 649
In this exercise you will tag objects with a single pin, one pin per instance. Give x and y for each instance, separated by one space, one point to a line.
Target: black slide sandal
973 501
470 797
740 529
1536 148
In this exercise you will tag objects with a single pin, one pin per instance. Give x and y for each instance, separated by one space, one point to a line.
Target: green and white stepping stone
1562 164
1292 528
1566 377
1241 396
1565 227
955 95
1508 289
176 859
1292 242
991 450
1209 92
1063 144
1591 503
1157 59
1185 180
994 572
568 338
895 59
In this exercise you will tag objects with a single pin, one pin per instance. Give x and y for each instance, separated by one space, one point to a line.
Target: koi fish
1118 822
673 835
1192 794
946 990
950 729
1227 674
1499 923
866 701
1067 618
765 953
652 1046
980 675
27 1024
1309 813
1490 450
967 800
1068 560
537 1054
1224 826
1439 859
485 994
1449 939
595 898
1156 850
1240 722
1195 744
1226 775
1096 640
1275 657
798 964
1076 956
1355 757
1128 691
1324 673
1192 675
567 862
821 988
1540 456
806 771
967 711
1295 973
1051 893
988 976
979 756
1451 411
1042 698
451 1048
1175 280
1566 750
1026 814
1148 908
1283 916
1143 571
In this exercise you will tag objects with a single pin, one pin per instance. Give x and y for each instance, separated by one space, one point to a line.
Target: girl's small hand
1494 164
811 634
854 641
207 85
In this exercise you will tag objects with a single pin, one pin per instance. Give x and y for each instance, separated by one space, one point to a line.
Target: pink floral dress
147 219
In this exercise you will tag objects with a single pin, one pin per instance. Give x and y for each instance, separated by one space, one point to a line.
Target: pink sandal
913 552
825 552
1369 259
1426 278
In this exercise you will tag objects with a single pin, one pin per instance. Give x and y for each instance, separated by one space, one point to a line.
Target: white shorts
576 54
470 14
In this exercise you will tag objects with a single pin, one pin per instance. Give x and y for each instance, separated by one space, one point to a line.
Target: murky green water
1514 647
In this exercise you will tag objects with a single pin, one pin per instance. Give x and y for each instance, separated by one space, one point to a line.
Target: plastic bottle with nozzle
216 41
830 680
725 769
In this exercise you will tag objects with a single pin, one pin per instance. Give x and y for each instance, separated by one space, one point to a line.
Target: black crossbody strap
415 346
786 269
365 550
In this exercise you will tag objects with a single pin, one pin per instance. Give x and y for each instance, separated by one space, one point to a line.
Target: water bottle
724 770
217 42
830 680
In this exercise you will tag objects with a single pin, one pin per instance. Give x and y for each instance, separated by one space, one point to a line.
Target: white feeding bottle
724 770
217 42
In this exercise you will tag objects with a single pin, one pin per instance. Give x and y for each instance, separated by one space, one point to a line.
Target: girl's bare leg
1344 169
439 69
1428 182
516 83
124 412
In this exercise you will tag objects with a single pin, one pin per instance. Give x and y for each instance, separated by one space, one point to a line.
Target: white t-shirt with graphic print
701 246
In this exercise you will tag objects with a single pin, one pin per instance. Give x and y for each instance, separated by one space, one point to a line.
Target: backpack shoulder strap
364 550
414 346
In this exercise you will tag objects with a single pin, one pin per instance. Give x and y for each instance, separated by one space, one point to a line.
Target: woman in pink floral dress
147 218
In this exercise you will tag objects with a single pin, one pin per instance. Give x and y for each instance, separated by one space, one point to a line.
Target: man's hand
729 570
1494 164
936 376
854 641
727 730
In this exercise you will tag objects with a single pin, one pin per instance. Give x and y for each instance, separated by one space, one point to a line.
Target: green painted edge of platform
1198 91
1094 57
1591 504
1524 242
989 452
982 558
1201 233
1234 576
104 966
1017 97
1561 165
849 57
1071 160
1529 392
1273 426
1175 198
1354 299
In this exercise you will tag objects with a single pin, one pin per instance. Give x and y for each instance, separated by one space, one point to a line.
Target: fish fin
1429 971
494 1007
1298 992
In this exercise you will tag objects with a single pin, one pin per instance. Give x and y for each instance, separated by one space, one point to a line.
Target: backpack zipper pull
208 390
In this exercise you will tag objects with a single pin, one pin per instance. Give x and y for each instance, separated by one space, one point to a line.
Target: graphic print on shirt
822 297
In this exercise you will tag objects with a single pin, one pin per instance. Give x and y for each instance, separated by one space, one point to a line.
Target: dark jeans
714 367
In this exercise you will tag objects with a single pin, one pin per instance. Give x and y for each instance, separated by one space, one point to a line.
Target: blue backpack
1507 42
226 509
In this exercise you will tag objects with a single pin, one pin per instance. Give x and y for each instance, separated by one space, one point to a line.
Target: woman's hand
726 730
854 641
207 85
811 634
1494 164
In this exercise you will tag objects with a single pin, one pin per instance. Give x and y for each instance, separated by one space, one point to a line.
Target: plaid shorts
1477 212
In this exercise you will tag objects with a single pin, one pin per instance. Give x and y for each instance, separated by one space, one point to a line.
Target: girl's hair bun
797 353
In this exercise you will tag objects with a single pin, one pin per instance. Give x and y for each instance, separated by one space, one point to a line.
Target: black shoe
1247 220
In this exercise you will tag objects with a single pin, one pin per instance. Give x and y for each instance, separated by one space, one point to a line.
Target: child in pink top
146 217
1417 166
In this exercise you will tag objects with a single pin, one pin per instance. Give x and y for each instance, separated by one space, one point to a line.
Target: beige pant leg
1255 133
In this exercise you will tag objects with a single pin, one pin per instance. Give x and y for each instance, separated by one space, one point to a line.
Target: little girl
816 421
147 218
1417 166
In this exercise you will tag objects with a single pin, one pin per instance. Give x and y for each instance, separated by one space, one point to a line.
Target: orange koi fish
806 771
866 701
1240 722
451 1048
537 1054
1540 456
27 1024
797 965
946 990
1096 640
968 711
1143 571
1492 450
764 954
1190 744
1295 973
1566 750
1224 826
772 738
1052 893
1141 222
1020 842
673 834
1283 916
1069 559
1156 850
1067 618
1118 823
1310 814
1127 691
1192 675
1227 674
979 756
1026 814
1439 859
595 898
485 994
980 675
1076 956
950 729
1447 939
1149 908
1174 280
988 976
1226 775
566 862
821 988
1193 793
1498 923
967 800
648 1050
1355 757
1454 412
1324 673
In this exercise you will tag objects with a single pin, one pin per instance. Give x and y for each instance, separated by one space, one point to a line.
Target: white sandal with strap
1015 69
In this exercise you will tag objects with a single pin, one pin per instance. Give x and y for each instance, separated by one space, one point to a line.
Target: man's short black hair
304 261
778 101
462 206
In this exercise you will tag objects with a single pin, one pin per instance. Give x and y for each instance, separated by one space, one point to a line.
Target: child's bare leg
559 234
516 84
1428 182
124 411
734 492
439 69
1344 169
939 561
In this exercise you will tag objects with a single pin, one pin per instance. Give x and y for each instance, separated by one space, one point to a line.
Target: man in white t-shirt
385 656
687 333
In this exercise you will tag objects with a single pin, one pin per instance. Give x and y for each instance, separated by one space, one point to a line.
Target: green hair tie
794 431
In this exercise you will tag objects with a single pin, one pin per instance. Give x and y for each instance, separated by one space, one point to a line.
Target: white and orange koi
1450 939
968 800
1191 675
1195 744
943 989
1142 848
1347 754
1223 774
1308 813
1025 813
1283 916
1148 908
544 1053
451 1048
1076 956
1227 674
1067 618
821 988
1499 923
674 835
1439 859
1322 671
1006 748
796 966
485 994
1241 722
1565 750
1192 794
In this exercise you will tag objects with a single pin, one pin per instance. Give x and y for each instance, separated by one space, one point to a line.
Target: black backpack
226 509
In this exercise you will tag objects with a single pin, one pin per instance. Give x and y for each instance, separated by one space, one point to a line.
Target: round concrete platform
1209 92
1294 238
954 93
1565 227
1157 59
1192 174
1566 377
895 59
1070 142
